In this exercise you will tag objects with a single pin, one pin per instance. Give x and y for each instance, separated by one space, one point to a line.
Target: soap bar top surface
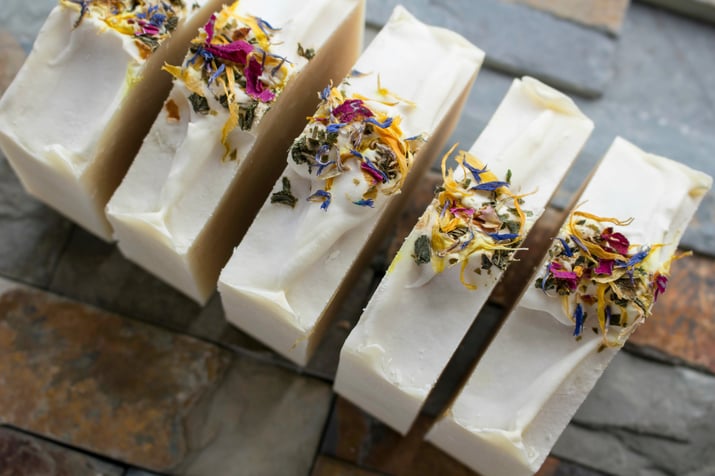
233 75
353 155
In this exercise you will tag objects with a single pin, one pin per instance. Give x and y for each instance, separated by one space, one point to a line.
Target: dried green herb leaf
199 103
423 250
246 114
508 176
284 197
308 53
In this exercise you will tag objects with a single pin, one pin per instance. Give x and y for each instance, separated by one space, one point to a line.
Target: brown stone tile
25 455
11 58
326 466
356 437
605 14
100 382
683 319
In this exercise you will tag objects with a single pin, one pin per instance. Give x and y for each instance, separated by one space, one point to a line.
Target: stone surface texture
136 389
699 9
645 417
683 320
98 381
520 40
25 455
606 14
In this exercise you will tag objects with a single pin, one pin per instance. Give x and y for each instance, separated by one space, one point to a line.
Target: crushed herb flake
423 251
199 103
284 196
308 53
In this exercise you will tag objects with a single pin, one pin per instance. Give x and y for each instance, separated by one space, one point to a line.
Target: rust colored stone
604 14
683 319
100 382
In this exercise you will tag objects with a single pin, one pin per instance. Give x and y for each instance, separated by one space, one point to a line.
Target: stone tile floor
105 370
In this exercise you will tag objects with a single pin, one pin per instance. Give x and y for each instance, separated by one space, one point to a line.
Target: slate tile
11 58
683 320
703 10
261 420
326 466
95 272
520 40
33 236
556 467
25 455
98 381
604 14
645 417
148 397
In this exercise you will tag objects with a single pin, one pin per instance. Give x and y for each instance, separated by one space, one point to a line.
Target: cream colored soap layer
73 118
181 208
416 318
284 280
534 375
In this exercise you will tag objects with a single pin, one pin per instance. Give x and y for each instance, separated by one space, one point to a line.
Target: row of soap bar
218 145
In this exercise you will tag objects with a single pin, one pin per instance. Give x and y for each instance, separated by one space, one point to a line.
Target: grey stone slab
647 418
699 9
32 235
139 472
95 272
520 40
262 420
24 19
26 455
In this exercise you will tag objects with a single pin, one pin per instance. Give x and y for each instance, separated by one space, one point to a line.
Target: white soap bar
290 271
535 373
219 143
75 115
420 312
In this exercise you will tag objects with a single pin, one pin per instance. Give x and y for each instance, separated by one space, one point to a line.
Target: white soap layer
166 212
416 319
294 262
75 109
534 375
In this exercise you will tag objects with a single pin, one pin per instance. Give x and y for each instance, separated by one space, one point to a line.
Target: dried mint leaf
199 103
284 197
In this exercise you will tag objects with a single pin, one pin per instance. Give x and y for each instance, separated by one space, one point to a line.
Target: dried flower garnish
596 270
473 212
230 62
149 22
346 130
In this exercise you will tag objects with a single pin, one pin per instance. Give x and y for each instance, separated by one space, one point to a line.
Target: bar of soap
456 253
557 342
359 154
75 115
239 98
